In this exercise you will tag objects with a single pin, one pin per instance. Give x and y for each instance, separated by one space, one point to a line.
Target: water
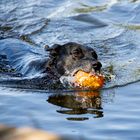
112 28
110 114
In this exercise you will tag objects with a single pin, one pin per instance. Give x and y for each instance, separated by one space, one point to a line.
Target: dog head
67 59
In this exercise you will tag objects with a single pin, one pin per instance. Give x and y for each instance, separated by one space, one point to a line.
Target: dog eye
94 55
77 53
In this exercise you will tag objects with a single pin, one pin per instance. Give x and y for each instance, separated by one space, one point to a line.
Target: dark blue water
112 28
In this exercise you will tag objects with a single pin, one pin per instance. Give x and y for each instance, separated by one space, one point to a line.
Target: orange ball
89 81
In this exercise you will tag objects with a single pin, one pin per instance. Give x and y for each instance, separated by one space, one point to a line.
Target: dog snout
97 66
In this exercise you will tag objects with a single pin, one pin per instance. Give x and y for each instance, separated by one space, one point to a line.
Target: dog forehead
74 46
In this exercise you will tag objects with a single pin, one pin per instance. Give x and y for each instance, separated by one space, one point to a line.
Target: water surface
112 28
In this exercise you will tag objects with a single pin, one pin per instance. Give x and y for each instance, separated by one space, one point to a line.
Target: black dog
43 68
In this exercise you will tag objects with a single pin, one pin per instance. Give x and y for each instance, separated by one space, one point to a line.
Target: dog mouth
82 79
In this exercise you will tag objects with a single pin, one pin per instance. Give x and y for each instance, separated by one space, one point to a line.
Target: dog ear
54 50
46 47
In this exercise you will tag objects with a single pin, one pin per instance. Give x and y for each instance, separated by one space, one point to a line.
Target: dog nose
97 66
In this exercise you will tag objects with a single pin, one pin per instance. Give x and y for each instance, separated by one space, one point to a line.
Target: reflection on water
78 103
88 8
130 27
